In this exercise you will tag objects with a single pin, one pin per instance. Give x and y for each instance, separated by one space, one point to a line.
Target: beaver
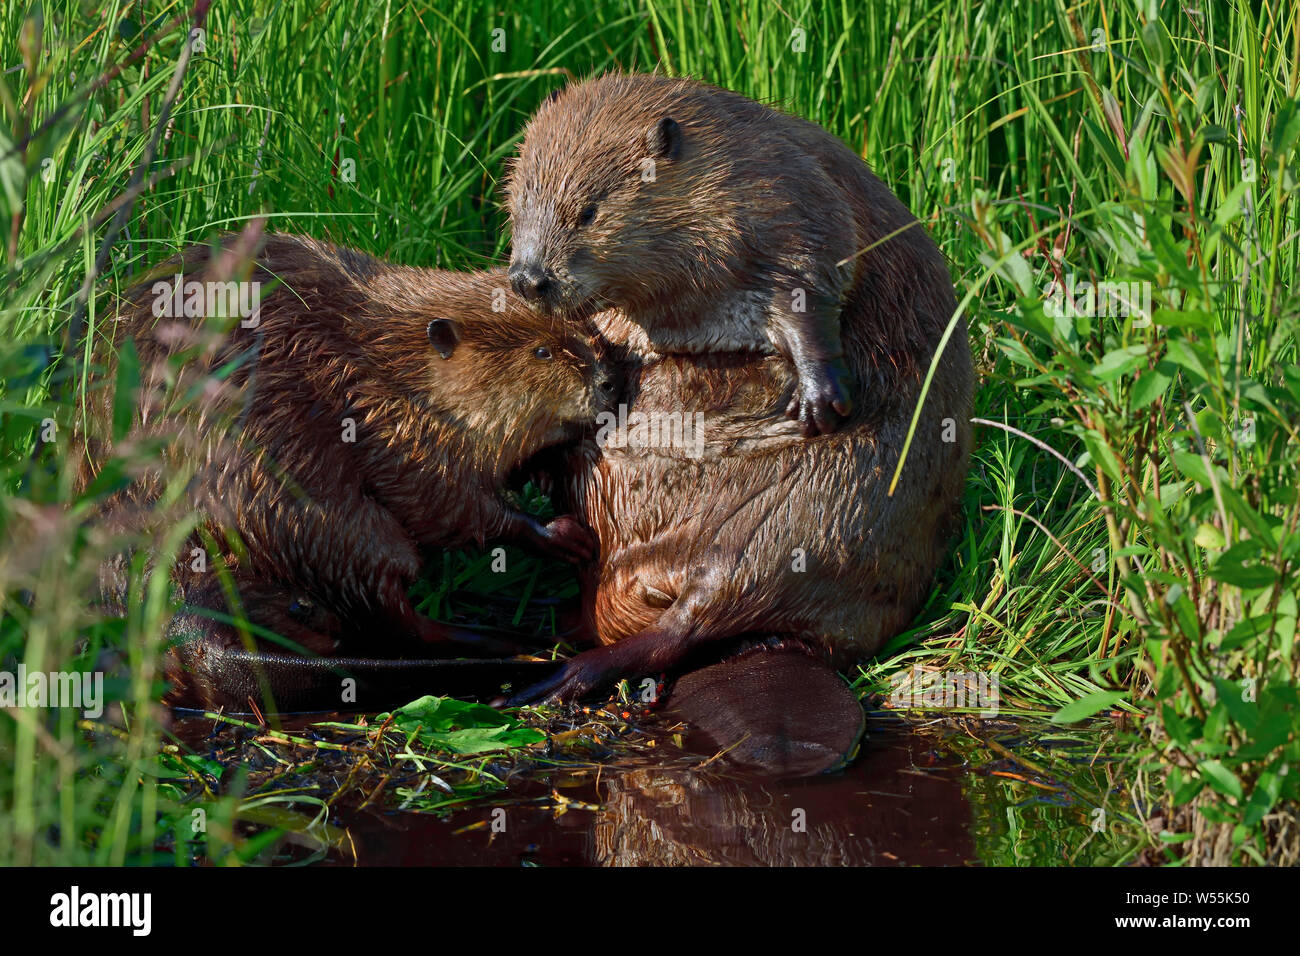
765 532
714 222
370 410
757 529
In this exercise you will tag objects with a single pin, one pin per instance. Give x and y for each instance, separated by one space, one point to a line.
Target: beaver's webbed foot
564 537
580 676
822 396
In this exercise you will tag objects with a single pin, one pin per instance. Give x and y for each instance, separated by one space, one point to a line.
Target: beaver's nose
530 281
607 388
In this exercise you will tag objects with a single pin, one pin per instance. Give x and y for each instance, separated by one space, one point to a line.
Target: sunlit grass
1011 129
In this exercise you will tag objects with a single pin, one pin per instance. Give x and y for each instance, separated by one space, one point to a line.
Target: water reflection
898 804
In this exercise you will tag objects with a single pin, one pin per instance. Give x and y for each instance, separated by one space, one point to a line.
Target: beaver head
620 195
512 380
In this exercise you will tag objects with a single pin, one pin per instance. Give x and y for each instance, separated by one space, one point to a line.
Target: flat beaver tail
774 707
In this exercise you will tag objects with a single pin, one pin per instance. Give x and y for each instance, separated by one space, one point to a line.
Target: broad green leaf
1119 361
1243 712
444 723
1101 454
1181 354
1221 778
1191 465
1087 706
1209 537
1266 792
1150 385
1183 318
1242 575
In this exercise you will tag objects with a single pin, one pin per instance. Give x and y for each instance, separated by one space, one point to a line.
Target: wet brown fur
704 259
695 552
344 336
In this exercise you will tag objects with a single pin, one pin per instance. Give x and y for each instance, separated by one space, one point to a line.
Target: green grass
1127 142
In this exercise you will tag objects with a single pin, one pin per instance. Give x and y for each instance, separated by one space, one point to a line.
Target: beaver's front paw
589 671
565 537
821 397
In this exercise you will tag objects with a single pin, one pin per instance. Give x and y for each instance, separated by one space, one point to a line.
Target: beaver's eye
587 215
542 352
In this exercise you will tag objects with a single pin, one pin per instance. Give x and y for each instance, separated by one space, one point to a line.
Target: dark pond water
941 793
900 803
909 799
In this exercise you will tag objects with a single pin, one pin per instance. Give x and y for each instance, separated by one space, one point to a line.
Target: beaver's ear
664 139
443 336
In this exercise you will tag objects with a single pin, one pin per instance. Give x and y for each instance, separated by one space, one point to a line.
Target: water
915 795
899 804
